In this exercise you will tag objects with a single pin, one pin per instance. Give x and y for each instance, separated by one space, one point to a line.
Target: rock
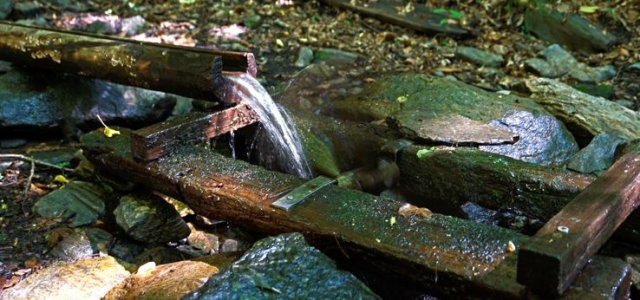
207 242
38 21
83 243
148 218
547 141
6 7
587 116
73 247
160 255
558 62
253 21
598 156
283 266
598 90
133 25
25 10
479 57
170 281
60 156
570 30
305 57
335 55
229 245
595 74
625 103
454 130
80 202
635 66
427 98
12 143
125 249
83 279
35 102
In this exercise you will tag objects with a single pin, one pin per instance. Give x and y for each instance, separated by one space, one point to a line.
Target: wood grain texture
550 261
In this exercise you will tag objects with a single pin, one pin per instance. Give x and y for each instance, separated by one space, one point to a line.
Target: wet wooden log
446 255
444 178
420 19
152 142
190 72
551 260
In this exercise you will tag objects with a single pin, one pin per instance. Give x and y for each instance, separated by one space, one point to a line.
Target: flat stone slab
457 129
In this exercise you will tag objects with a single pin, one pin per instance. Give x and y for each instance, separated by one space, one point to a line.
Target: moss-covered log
444 178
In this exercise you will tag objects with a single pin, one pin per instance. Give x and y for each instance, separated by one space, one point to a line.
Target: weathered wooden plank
152 142
421 19
446 255
550 261
190 72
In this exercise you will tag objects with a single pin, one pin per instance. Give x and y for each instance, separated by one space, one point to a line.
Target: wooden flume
191 72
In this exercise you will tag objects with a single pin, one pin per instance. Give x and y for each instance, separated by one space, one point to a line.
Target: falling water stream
279 127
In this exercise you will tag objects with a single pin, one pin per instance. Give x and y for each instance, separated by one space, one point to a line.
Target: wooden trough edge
448 256
550 260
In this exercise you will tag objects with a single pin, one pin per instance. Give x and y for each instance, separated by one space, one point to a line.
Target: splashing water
278 125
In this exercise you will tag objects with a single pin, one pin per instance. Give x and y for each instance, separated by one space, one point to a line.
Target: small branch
34 161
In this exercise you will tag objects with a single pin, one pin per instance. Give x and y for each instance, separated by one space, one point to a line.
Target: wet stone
32 102
543 140
28 9
89 278
125 249
207 242
305 57
83 243
557 62
133 25
80 202
335 55
169 281
148 218
598 156
479 57
6 7
283 266
161 255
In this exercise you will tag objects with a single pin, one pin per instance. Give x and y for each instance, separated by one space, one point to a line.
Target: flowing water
280 129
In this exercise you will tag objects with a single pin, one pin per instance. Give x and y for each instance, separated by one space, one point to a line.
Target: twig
32 171
340 246
27 188
34 161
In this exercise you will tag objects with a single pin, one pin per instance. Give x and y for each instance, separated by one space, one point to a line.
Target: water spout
278 125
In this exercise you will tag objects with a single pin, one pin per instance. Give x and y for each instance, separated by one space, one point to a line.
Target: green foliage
450 14
187 2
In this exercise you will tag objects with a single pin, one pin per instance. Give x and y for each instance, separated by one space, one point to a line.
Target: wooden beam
154 141
191 72
445 255
421 19
552 259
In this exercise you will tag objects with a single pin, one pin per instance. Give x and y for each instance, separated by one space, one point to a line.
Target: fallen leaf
588 9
